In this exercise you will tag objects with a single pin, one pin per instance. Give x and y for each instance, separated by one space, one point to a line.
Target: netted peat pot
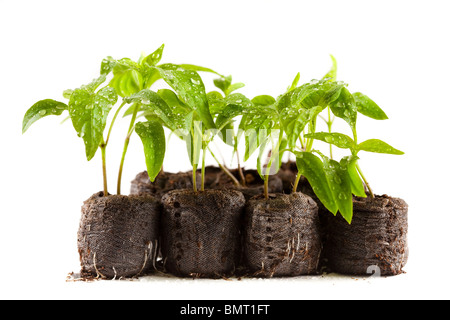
281 236
201 233
164 182
375 241
118 236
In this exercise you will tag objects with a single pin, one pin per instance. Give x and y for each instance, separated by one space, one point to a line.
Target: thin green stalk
297 181
227 172
330 125
194 177
105 179
113 121
269 166
125 148
309 145
365 180
302 143
241 172
310 142
203 168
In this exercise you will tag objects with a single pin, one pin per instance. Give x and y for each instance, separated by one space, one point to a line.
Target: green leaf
315 93
154 58
192 67
260 160
368 107
107 65
152 104
332 74
89 112
378 146
183 115
263 100
341 188
257 124
235 86
230 106
190 89
91 87
42 109
294 83
154 142
223 83
295 122
344 107
355 180
128 78
283 146
67 93
338 139
312 168
301 106
194 144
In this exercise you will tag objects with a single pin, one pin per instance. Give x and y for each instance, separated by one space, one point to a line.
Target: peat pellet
281 236
118 236
201 234
164 182
375 241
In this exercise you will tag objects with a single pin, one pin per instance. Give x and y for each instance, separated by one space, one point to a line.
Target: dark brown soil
118 236
164 183
254 183
288 174
377 237
281 236
201 232
215 179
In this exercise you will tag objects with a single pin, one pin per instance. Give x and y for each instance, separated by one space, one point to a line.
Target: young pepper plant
131 80
88 109
334 182
185 110
224 109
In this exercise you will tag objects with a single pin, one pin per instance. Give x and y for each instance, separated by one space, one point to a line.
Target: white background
397 52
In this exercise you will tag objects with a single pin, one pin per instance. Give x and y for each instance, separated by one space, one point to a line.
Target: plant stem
273 156
105 179
297 181
125 148
330 125
365 180
227 172
302 143
113 121
309 144
312 129
266 187
241 172
203 168
194 177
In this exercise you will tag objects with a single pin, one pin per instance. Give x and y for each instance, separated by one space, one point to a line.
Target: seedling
335 182
224 109
88 109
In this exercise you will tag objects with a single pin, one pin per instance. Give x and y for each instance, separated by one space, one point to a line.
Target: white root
95 267
156 254
143 266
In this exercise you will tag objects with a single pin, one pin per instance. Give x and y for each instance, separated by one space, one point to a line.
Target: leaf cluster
283 124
